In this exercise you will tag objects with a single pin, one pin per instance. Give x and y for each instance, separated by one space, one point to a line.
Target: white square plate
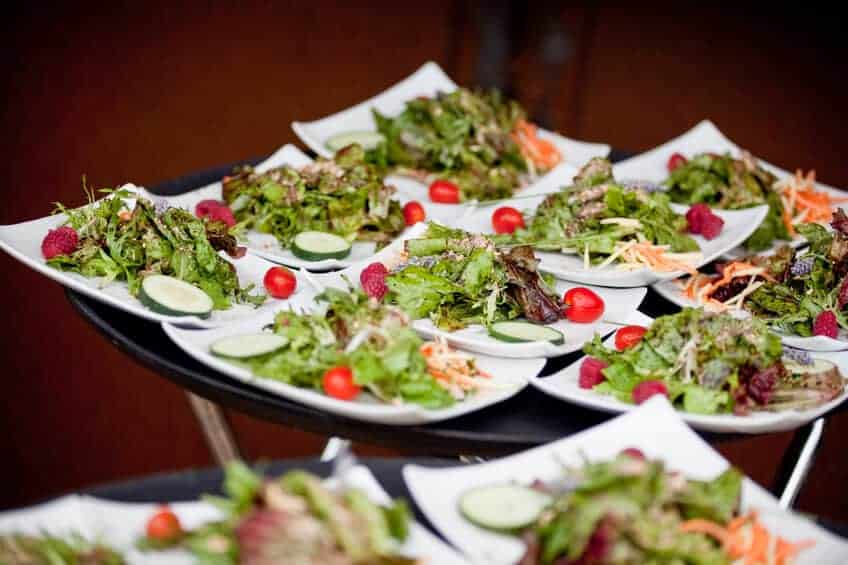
620 309
426 81
673 292
565 385
738 225
654 428
266 245
704 137
120 524
23 242
509 376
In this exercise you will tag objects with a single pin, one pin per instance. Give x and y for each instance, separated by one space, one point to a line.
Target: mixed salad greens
344 196
633 510
294 518
480 141
712 363
20 549
457 279
375 342
802 292
732 184
603 220
111 241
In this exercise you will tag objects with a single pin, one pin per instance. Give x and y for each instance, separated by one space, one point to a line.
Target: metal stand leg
218 434
335 445
803 450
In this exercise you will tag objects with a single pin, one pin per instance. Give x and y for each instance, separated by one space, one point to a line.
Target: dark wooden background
145 92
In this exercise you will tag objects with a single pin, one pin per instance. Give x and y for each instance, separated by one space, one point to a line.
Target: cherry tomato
628 336
413 212
675 161
582 305
280 282
444 191
338 383
507 219
164 525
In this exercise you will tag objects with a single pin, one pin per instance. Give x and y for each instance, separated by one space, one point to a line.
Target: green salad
44 549
808 286
388 363
479 141
344 196
633 510
457 279
293 518
732 184
599 218
113 242
710 363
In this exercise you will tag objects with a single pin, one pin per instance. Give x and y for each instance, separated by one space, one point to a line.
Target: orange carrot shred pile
541 152
747 540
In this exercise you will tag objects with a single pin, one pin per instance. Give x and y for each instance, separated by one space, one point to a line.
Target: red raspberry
633 452
61 241
695 217
701 220
645 390
590 372
215 210
826 324
373 280
676 160
223 214
711 226
205 207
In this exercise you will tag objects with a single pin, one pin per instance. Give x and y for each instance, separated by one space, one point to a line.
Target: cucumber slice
367 139
174 297
503 508
319 245
525 331
249 345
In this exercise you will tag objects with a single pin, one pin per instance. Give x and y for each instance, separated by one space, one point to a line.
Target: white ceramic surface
266 245
426 81
704 137
120 524
23 242
509 377
620 309
673 292
564 385
738 225
654 427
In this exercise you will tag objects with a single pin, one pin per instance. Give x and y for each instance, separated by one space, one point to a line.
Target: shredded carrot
453 370
656 257
802 203
700 287
706 527
540 152
747 540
